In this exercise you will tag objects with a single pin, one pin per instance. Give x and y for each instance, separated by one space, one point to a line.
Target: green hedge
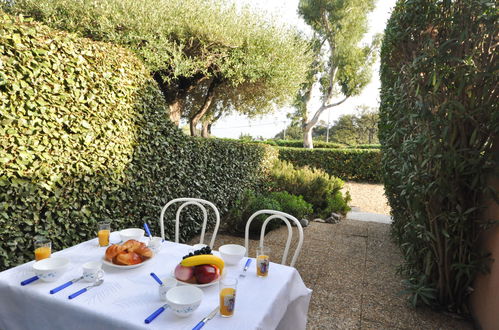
439 127
85 137
346 164
299 144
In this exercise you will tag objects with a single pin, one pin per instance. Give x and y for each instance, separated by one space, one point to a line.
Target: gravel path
352 269
368 197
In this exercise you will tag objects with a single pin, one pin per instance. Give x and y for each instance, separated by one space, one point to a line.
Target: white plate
199 285
110 264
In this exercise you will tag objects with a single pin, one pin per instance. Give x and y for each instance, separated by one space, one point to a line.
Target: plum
206 273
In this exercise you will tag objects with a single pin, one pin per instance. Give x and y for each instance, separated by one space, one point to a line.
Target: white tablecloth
128 296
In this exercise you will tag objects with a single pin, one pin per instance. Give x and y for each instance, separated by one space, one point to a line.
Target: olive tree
206 45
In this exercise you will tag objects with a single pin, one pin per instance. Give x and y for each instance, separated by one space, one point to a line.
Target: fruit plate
200 285
110 264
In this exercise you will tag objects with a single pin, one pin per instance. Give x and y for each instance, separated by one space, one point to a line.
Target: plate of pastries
131 254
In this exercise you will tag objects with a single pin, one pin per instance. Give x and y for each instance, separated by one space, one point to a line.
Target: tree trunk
176 93
206 130
308 127
307 136
210 95
176 108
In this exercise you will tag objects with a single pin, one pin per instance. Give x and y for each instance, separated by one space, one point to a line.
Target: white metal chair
284 217
186 202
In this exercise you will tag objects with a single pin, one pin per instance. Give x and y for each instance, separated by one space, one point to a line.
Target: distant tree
341 68
231 57
367 122
246 137
352 129
292 132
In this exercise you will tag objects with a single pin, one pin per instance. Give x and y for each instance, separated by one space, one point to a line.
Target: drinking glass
262 261
227 296
103 233
43 248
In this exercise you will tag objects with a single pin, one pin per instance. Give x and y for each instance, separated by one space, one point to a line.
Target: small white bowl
185 299
131 233
168 283
50 269
232 253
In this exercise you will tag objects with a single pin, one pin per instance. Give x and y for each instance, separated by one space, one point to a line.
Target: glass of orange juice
43 248
227 296
103 233
262 261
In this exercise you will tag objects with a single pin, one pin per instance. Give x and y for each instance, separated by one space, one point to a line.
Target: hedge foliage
439 130
299 144
346 164
85 137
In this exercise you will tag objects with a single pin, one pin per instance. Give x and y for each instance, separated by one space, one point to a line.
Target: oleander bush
314 185
439 127
85 137
347 164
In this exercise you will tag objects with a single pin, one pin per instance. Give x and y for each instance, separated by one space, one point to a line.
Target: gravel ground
368 197
351 268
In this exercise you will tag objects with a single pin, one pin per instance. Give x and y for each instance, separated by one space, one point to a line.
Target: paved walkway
351 268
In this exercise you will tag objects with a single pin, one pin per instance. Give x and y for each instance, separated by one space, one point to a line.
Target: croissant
131 252
113 251
131 245
138 247
127 258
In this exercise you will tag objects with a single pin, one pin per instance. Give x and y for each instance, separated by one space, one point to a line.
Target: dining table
128 296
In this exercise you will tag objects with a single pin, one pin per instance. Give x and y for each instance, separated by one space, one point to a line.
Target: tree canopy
342 67
236 58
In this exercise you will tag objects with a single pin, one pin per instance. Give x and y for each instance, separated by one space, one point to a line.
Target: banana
204 259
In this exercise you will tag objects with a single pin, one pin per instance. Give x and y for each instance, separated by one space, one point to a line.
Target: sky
268 126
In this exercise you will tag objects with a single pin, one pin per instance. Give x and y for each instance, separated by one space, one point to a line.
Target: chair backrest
284 217
190 201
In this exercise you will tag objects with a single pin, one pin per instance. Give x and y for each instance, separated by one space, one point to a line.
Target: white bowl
168 283
185 299
232 253
131 233
50 269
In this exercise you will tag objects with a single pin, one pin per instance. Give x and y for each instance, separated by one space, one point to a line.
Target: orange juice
227 301
262 265
103 235
42 253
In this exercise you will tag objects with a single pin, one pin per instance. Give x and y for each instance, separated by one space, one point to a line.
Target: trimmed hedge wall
346 164
85 137
299 144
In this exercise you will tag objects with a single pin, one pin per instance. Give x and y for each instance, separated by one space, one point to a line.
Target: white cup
92 271
168 283
155 244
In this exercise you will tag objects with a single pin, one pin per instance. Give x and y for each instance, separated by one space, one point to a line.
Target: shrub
347 164
86 137
251 202
248 204
316 186
439 127
299 144
293 205
365 146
